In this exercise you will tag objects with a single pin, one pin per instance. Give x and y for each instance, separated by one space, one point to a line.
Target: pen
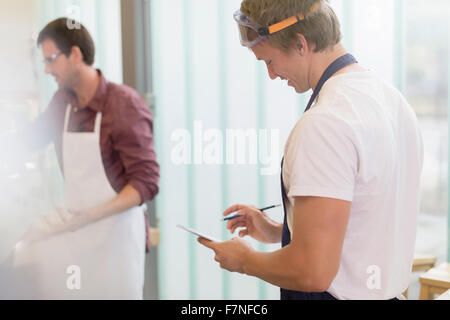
262 209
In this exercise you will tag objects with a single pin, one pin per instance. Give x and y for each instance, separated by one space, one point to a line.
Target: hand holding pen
262 210
256 223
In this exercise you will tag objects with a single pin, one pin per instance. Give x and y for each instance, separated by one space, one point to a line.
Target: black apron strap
336 66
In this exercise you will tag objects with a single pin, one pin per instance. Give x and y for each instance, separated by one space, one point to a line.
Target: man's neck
86 86
321 61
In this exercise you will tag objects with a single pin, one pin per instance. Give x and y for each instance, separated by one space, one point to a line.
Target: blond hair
321 27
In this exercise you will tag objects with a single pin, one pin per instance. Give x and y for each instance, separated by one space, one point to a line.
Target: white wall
16 26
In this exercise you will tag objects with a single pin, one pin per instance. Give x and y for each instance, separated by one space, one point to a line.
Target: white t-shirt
361 143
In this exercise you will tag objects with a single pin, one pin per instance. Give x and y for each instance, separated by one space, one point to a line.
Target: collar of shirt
97 103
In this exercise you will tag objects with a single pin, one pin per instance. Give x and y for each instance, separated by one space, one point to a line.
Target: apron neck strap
98 122
336 66
67 116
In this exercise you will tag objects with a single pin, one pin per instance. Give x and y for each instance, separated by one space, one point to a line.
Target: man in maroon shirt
125 137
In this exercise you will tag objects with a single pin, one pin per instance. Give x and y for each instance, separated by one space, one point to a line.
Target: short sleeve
322 158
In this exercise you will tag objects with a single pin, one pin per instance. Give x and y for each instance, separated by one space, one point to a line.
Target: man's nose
272 74
47 69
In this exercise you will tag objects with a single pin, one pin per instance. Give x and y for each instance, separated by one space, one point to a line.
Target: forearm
128 198
276 232
286 268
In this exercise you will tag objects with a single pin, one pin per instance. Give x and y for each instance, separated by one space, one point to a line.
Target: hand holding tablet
207 237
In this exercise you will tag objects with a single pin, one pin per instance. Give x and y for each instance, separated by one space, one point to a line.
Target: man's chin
58 83
297 90
61 85
295 87
300 90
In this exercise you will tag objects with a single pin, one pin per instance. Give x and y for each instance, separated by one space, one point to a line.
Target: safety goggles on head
252 33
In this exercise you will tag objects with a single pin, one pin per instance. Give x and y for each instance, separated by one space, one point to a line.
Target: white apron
109 254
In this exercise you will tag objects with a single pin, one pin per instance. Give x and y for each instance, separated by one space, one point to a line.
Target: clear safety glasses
252 33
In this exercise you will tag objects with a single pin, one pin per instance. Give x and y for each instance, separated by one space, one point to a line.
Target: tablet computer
199 234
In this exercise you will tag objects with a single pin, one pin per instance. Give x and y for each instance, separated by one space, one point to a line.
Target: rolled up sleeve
133 140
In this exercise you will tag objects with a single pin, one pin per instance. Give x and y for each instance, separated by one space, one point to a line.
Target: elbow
314 279
312 284
311 272
147 190
154 190
150 192
321 285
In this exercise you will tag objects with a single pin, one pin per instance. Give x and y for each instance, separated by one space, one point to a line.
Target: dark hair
67 33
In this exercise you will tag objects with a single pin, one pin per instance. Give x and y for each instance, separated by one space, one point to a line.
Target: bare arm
311 261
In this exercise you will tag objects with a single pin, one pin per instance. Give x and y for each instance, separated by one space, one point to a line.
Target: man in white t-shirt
351 168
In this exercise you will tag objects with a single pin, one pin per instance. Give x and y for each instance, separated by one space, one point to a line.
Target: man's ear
76 55
301 44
